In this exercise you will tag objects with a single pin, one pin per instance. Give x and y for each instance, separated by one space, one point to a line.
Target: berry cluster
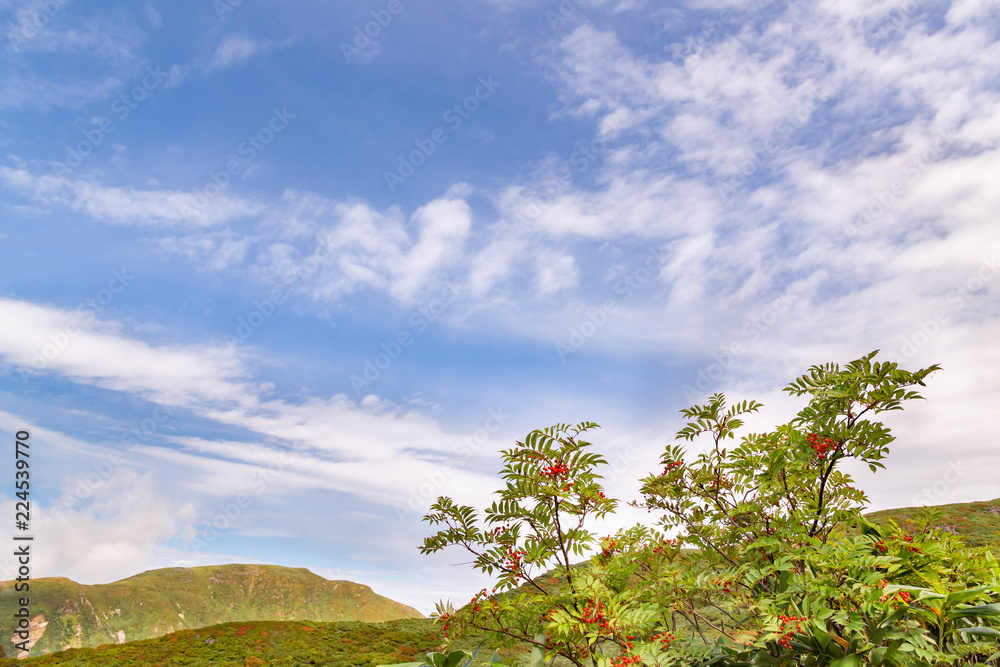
671 465
626 661
593 614
610 546
880 547
513 562
557 469
664 639
663 547
785 640
630 646
821 448
475 599
446 619
899 597
501 529
721 483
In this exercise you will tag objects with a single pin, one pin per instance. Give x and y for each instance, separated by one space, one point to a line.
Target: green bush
765 568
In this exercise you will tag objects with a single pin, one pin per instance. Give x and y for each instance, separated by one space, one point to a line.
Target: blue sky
266 273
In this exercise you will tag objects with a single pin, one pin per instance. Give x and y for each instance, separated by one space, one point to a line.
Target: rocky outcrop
36 628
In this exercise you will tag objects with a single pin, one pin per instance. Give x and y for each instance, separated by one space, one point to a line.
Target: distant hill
978 524
66 614
263 643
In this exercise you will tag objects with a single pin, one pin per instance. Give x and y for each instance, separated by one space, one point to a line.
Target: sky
278 275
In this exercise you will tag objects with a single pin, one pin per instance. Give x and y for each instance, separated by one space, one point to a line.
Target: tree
552 488
772 563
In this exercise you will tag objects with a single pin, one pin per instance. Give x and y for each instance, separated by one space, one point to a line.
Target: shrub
763 569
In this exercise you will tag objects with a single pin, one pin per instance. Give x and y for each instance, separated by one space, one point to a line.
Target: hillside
344 644
66 614
978 524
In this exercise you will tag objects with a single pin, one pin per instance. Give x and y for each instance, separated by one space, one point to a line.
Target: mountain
978 524
65 614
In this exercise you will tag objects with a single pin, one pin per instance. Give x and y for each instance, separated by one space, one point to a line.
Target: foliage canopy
771 562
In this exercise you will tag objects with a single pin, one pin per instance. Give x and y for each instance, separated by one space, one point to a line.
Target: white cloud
371 450
556 272
76 345
444 225
28 90
344 246
127 206
216 251
233 50
114 532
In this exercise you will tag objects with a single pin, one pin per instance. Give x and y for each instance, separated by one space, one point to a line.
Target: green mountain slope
345 644
978 524
66 614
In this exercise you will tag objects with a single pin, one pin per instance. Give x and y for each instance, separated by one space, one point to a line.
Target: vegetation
772 561
763 570
158 602
261 642
977 524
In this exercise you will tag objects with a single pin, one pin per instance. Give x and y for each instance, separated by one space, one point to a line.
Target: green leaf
537 654
868 528
961 596
983 611
852 660
981 631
